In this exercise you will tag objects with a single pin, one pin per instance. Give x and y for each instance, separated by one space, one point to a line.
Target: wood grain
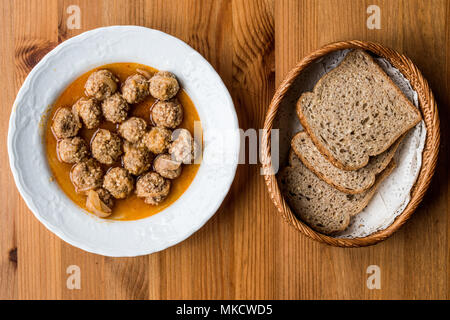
245 251
10 200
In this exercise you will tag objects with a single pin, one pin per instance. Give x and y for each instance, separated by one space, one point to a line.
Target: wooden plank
10 199
38 255
424 26
445 124
253 87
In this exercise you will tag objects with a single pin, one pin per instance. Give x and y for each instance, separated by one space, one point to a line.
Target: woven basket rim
427 106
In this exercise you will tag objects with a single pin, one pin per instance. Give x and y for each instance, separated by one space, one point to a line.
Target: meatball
106 197
184 148
118 182
65 124
89 111
153 188
86 175
135 88
115 108
167 167
137 159
167 114
72 150
157 140
133 129
106 146
101 84
164 85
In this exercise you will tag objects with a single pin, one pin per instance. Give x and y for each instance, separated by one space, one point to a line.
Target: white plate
62 66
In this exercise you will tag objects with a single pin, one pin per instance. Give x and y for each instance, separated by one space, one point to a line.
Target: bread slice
321 206
351 182
355 111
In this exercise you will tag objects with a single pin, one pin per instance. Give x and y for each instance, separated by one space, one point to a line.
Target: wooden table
245 251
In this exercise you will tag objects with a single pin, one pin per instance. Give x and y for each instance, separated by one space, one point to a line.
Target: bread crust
324 150
372 177
359 206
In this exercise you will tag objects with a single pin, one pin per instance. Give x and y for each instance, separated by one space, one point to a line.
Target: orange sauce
131 208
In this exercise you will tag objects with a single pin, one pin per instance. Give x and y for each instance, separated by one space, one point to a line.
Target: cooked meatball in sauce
153 188
135 88
65 124
89 111
115 108
133 129
106 146
136 159
101 84
108 140
167 167
164 85
86 175
168 114
119 182
158 139
72 150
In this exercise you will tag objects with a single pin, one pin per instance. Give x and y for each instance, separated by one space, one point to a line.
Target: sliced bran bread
351 182
320 205
355 111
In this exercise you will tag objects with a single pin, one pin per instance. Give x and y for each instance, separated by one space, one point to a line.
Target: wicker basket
429 111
